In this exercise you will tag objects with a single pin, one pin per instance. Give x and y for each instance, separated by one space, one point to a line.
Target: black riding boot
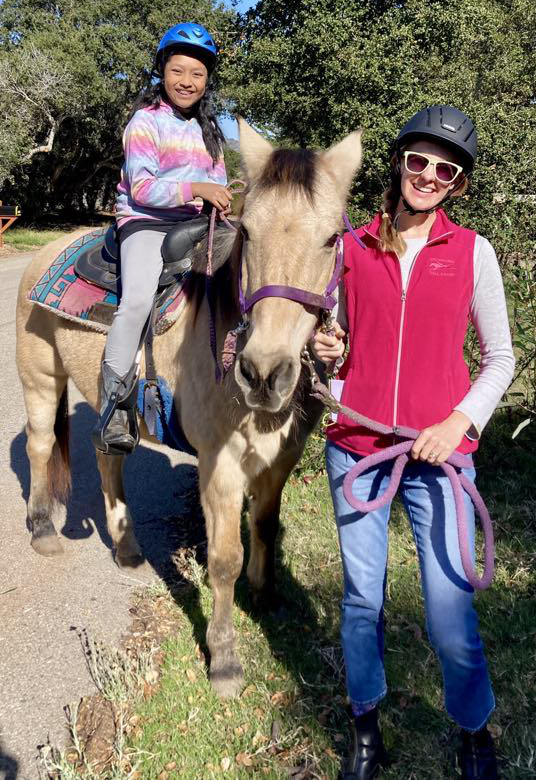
367 754
116 432
477 756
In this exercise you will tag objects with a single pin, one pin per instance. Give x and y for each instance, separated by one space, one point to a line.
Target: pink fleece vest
406 364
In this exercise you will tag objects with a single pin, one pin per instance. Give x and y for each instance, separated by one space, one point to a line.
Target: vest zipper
402 317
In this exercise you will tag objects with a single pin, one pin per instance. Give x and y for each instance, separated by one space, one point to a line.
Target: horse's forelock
290 169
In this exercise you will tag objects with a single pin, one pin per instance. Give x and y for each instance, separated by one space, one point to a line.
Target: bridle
324 303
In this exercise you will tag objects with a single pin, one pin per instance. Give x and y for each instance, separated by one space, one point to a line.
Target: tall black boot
116 432
367 754
477 756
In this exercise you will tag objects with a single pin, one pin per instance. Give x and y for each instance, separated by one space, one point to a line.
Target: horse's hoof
48 546
227 682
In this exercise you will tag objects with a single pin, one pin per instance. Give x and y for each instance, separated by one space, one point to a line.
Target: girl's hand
437 443
329 348
216 194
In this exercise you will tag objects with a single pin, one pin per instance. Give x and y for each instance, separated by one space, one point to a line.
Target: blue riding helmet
194 37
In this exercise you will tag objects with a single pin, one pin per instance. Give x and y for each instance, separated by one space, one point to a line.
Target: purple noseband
326 301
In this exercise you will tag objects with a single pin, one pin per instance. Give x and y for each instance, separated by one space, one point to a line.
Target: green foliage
103 50
317 69
520 279
313 70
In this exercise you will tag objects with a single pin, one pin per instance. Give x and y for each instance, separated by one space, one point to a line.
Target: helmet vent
183 34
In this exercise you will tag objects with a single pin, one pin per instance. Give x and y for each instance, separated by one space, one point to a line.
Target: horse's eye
331 241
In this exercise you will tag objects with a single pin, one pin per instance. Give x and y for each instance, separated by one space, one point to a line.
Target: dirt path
44 602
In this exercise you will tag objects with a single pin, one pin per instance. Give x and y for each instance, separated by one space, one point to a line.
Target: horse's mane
224 249
289 169
285 169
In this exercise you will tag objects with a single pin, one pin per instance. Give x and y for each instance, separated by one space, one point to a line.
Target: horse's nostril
283 371
247 369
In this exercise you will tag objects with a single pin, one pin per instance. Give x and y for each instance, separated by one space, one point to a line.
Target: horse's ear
254 149
343 161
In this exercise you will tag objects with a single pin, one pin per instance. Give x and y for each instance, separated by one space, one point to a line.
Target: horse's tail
59 467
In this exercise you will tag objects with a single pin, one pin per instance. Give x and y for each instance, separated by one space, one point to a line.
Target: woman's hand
437 442
329 348
217 194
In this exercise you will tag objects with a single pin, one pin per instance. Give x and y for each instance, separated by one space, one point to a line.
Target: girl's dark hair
154 94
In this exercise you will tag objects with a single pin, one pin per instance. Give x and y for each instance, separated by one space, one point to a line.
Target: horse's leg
118 519
47 448
222 493
265 504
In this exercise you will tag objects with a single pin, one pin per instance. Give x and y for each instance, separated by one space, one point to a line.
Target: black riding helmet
447 125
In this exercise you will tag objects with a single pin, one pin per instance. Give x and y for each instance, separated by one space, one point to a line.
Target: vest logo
442 267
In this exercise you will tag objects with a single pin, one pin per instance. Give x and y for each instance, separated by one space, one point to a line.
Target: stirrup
126 403
98 435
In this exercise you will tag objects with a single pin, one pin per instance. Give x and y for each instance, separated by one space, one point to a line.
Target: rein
399 452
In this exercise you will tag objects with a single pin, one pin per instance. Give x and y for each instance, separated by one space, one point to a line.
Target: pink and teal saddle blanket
66 294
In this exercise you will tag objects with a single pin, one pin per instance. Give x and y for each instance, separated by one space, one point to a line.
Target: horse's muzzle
267 383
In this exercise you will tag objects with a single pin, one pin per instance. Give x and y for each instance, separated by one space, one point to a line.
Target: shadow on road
158 494
9 766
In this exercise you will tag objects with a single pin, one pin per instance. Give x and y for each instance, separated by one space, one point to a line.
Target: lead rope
399 452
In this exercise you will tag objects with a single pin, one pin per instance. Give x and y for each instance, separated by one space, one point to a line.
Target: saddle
100 264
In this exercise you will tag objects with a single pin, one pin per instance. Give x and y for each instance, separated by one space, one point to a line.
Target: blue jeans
451 620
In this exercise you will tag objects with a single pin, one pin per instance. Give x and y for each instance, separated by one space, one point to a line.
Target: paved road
42 600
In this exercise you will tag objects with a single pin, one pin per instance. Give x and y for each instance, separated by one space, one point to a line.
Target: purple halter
326 301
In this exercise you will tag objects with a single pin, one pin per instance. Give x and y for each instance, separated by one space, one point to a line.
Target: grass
26 239
289 720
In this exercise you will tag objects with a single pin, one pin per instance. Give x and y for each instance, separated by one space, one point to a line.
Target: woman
410 288
173 149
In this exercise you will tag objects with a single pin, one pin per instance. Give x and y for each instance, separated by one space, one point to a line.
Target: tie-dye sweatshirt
164 154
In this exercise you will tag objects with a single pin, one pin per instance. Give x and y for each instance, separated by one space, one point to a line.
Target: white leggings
141 266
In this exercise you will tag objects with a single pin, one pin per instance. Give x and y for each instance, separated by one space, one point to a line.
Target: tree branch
47 147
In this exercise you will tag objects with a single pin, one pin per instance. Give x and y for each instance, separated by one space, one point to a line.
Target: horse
250 429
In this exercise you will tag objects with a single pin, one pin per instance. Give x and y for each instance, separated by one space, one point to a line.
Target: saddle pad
64 293
167 429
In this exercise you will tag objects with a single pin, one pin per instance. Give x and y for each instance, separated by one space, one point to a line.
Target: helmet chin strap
411 211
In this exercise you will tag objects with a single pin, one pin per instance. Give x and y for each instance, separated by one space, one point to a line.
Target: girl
173 149
409 291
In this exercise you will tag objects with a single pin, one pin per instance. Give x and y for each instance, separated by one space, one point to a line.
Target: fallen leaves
244 759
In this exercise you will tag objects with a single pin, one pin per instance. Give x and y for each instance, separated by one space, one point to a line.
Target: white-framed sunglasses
417 162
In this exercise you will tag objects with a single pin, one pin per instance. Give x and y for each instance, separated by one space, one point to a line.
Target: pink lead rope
399 452
459 483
